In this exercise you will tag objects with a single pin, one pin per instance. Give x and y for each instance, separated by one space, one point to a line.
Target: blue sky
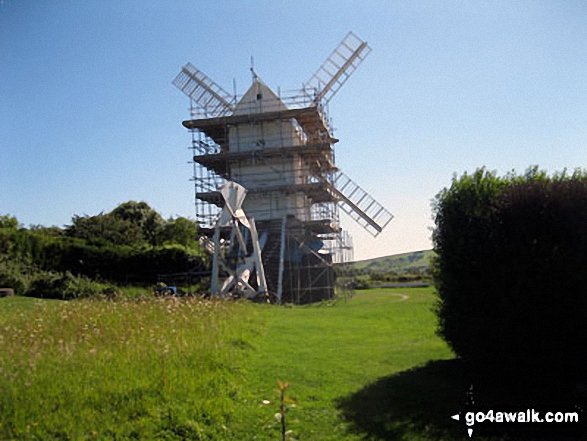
89 118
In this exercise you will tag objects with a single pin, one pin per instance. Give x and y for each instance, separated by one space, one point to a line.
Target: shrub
362 284
65 286
510 265
13 275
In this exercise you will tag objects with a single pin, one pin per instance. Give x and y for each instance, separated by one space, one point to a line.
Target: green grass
330 351
157 369
366 368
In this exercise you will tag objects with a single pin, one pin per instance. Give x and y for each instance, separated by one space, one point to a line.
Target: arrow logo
457 417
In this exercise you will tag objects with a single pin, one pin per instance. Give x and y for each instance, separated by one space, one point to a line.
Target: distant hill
397 262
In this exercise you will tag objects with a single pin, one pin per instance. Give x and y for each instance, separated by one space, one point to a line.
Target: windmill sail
212 98
359 204
337 69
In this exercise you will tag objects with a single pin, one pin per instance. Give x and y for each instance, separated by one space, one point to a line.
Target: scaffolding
280 148
281 151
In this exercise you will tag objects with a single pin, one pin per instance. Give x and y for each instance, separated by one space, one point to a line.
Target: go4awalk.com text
486 421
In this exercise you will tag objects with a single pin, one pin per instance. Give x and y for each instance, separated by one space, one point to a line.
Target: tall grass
161 368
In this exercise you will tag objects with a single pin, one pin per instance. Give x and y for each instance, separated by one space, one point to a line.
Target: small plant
285 404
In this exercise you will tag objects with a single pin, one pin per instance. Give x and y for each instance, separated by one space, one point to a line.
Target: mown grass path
201 370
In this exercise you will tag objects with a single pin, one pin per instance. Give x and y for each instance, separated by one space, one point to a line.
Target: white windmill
280 148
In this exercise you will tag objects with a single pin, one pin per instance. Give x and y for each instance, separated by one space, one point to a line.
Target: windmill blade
337 69
359 204
212 98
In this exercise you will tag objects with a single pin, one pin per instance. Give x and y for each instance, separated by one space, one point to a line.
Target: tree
105 228
180 231
141 215
134 224
9 222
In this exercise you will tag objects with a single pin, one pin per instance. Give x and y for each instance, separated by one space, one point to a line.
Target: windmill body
280 148
269 171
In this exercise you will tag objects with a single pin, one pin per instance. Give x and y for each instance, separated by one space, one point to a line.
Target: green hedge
65 286
121 264
106 261
511 274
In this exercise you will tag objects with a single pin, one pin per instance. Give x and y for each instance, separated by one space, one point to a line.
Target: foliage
8 221
106 228
361 283
180 231
141 215
132 244
121 264
509 271
64 286
14 275
47 231
134 224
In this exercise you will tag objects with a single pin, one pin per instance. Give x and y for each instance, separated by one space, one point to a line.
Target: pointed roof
259 99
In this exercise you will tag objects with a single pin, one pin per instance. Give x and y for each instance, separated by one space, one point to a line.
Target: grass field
367 368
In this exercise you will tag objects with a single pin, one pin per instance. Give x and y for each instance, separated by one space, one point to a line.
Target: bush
13 275
510 263
362 284
65 286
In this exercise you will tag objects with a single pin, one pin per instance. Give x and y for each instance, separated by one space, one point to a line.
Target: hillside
397 262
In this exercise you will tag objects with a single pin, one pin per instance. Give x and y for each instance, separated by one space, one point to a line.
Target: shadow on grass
416 403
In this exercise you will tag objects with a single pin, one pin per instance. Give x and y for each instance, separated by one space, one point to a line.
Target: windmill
280 149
